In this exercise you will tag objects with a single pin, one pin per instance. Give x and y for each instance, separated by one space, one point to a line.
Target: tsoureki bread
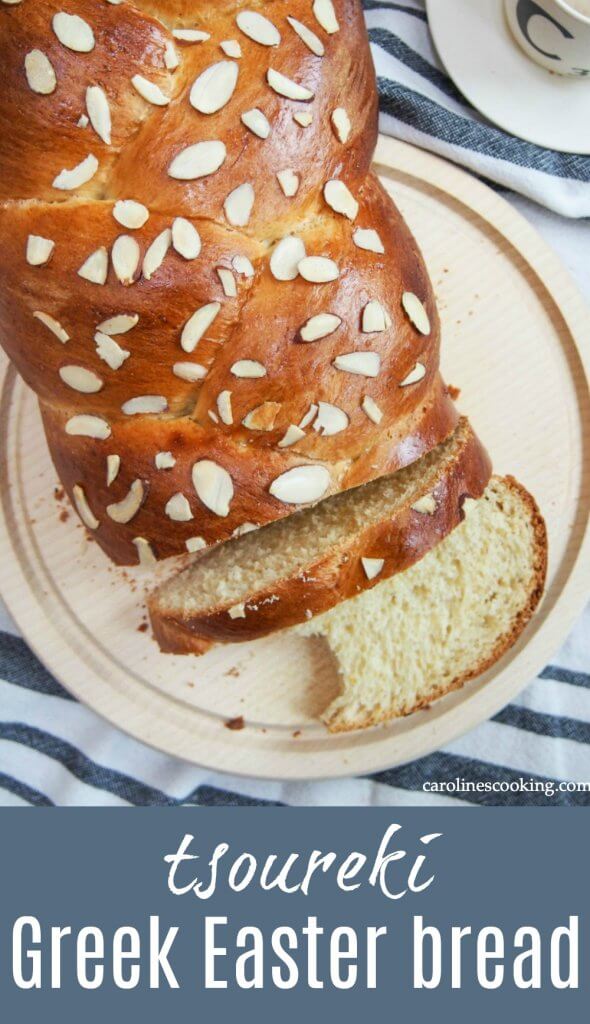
231 329
427 631
222 312
295 569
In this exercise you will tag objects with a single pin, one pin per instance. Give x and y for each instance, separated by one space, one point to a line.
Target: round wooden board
514 333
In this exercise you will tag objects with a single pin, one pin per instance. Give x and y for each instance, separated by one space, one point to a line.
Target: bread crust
400 540
503 643
262 322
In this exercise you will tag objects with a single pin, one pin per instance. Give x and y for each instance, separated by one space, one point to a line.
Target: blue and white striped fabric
420 104
55 751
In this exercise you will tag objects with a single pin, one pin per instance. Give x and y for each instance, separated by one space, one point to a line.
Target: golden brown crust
130 39
262 321
401 540
82 461
503 643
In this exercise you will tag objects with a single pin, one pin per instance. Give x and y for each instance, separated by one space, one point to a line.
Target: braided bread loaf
224 316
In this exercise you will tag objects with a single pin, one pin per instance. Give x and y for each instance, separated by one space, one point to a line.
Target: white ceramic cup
553 33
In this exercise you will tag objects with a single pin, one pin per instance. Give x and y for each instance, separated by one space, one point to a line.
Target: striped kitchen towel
54 750
420 104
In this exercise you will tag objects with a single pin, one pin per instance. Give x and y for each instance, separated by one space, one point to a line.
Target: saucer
485 62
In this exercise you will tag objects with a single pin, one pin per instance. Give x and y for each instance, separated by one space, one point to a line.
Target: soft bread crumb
426 631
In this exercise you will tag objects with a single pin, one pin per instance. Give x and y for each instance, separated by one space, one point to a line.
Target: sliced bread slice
425 632
302 566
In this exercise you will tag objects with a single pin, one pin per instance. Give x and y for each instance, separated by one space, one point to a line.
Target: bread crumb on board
235 724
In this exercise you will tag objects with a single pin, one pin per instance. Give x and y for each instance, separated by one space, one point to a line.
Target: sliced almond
145 555
95 269
313 42
68 180
191 372
145 405
214 486
164 460
40 74
303 118
228 282
82 121
88 426
416 312
224 407
80 379
198 161
320 326
257 122
185 238
318 269
258 28
285 87
286 257
375 318
248 368
372 567
171 58
341 124
149 91
194 544
366 364
198 324
73 32
309 417
289 182
325 15
130 214
242 265
231 48
53 325
99 112
84 511
330 420
237 611
262 417
291 436
244 528
368 239
341 199
125 256
113 467
110 351
238 205
371 409
39 250
125 510
156 254
301 485
119 324
178 509
190 35
214 87
414 375
426 505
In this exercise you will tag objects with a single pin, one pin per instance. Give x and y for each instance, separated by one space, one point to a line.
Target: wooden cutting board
515 340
